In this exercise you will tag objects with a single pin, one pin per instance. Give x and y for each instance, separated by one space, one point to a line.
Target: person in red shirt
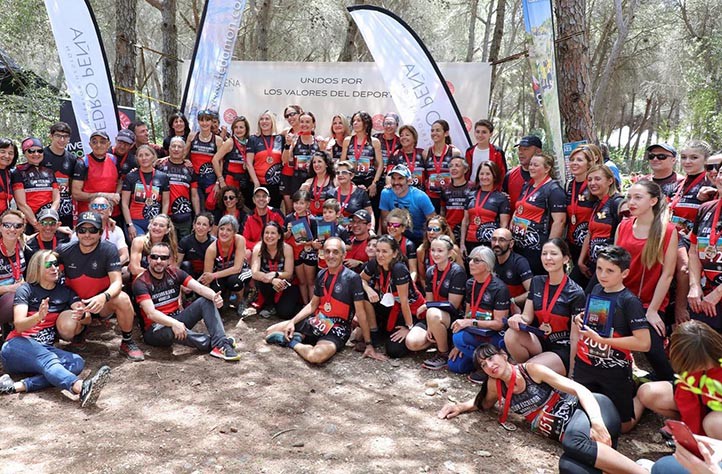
519 175
8 158
97 173
484 151
34 186
253 228
360 228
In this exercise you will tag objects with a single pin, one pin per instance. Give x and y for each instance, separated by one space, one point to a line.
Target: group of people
538 290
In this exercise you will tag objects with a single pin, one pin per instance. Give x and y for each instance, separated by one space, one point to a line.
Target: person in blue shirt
402 195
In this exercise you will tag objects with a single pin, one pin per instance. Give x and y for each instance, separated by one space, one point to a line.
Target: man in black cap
360 228
48 238
661 158
92 270
519 175
125 152
61 162
97 172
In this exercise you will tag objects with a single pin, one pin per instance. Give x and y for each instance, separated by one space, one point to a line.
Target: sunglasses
52 263
474 260
86 230
712 166
99 207
48 223
162 258
658 156
11 225
34 151
291 114
343 172
433 229
229 198
394 225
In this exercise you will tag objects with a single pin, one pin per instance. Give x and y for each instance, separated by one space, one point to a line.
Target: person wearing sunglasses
12 263
49 237
93 270
229 162
388 138
662 158
352 198
402 195
111 232
712 167
124 151
292 114
360 227
487 209
233 205
41 310
182 186
57 158
407 153
97 173
34 186
397 222
165 323
200 149
8 159
263 157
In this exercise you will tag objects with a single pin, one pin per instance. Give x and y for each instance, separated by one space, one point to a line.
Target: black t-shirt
453 283
668 184
571 301
514 272
35 243
151 186
32 294
164 293
532 219
87 273
495 298
357 200
603 225
12 268
387 282
336 307
181 179
63 166
629 316
194 251
485 208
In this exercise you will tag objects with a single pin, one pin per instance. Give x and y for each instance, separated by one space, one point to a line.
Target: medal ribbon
483 202
317 190
436 285
713 235
357 150
600 205
326 298
575 195
437 164
682 190
344 202
269 143
509 393
8 190
231 251
476 303
410 162
390 149
17 270
386 283
147 189
546 310
41 244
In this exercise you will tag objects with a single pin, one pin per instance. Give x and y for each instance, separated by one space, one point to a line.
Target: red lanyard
402 246
486 198
386 283
546 310
600 205
357 150
269 143
682 190
437 164
17 269
107 232
8 190
317 190
509 394
231 252
531 190
477 302
148 189
326 299
410 162
575 195
436 286
344 203
390 149
713 235
41 244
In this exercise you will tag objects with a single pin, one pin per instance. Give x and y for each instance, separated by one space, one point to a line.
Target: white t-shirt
478 158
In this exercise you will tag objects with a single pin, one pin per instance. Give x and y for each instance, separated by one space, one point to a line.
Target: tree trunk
497 38
642 123
169 32
349 51
125 56
470 44
573 70
264 26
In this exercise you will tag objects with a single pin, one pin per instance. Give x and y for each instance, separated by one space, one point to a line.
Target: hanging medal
546 309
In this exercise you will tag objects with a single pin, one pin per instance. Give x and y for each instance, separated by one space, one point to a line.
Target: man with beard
360 228
512 268
515 179
142 137
184 200
401 195
124 151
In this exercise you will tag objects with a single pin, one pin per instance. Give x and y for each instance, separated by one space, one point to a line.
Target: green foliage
709 387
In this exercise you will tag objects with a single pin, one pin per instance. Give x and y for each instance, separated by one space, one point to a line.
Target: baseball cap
363 214
125 136
99 133
530 140
48 214
89 217
30 142
261 188
663 146
402 170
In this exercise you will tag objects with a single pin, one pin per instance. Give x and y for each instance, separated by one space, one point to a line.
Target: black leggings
658 359
288 303
580 451
6 314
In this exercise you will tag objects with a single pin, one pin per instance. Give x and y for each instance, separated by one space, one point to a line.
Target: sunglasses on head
712 166
52 263
12 225
394 225
658 156
99 206
230 197
433 229
86 230
162 258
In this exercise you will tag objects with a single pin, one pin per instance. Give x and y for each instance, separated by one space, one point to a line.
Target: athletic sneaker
132 351
267 313
279 338
226 352
241 308
91 387
232 341
438 362
478 377
7 385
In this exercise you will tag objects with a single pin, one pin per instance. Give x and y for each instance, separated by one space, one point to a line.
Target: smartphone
683 436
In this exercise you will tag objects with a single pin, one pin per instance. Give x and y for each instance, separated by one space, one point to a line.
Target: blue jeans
141 226
467 344
50 366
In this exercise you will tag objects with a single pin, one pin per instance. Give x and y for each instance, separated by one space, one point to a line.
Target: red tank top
102 177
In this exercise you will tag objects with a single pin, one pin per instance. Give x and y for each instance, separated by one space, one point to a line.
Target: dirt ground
183 412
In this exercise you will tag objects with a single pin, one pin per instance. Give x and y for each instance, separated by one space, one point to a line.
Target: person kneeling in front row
158 292
323 326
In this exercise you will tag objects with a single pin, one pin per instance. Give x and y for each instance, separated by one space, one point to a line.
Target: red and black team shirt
350 203
514 272
38 183
495 298
485 208
164 292
98 176
6 190
201 154
87 273
513 182
35 243
603 224
668 184
337 295
579 210
62 166
145 188
710 253
571 302
437 171
388 147
234 163
126 163
454 200
253 227
414 162
684 202
363 155
267 150
7 275
356 250
299 247
532 219
301 155
194 251
629 315
181 179
319 191
449 281
398 275
495 154
59 299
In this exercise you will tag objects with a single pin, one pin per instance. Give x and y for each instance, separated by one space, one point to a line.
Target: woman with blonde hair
160 229
263 157
340 129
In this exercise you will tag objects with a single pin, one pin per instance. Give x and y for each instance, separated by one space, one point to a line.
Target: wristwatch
475 323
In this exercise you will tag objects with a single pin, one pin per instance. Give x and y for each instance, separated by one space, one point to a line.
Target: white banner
328 89
417 85
85 66
212 56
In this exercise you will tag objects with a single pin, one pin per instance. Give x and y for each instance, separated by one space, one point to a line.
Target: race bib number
302 162
439 180
363 164
598 350
519 225
321 323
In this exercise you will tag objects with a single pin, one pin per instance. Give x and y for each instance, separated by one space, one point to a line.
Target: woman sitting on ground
160 229
192 248
435 226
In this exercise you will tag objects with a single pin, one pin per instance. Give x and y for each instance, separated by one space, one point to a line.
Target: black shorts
563 351
284 185
338 335
617 384
307 258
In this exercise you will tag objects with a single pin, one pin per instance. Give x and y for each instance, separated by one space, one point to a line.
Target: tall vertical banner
85 66
212 56
417 86
539 25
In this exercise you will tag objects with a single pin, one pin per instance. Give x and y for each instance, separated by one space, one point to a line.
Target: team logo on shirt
338 288
94 265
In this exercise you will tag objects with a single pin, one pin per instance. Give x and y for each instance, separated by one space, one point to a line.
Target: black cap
125 136
100 133
89 217
363 214
664 146
530 140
